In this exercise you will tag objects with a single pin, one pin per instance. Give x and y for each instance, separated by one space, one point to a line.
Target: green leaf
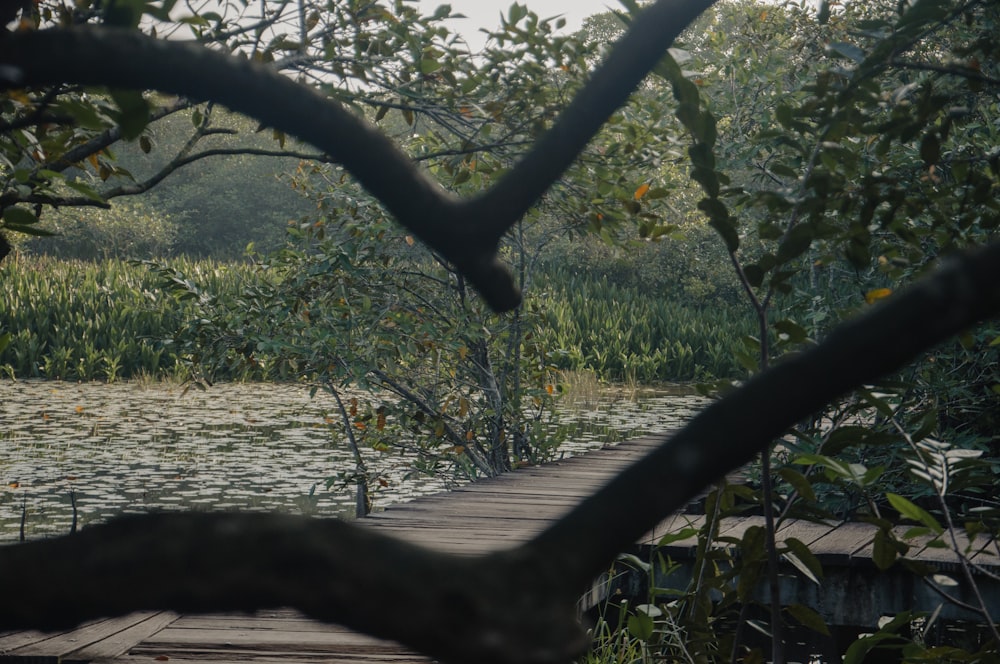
678 536
5 341
849 51
429 65
857 651
802 559
799 482
808 618
795 243
17 216
641 626
133 112
883 552
516 13
791 331
914 512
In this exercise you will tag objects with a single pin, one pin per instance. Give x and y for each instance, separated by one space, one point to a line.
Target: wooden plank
64 644
806 532
221 657
234 637
259 621
981 550
10 641
121 642
840 544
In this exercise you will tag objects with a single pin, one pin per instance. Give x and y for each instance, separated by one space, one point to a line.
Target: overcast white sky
486 13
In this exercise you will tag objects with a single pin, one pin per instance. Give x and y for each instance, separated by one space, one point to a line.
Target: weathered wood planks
98 640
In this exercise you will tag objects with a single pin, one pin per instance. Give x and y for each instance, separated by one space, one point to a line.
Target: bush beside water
105 320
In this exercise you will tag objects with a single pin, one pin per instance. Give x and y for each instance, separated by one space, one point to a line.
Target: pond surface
133 447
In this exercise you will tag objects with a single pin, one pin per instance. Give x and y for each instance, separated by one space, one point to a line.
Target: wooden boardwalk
487 515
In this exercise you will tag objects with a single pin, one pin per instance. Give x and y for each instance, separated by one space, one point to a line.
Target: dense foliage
838 156
805 163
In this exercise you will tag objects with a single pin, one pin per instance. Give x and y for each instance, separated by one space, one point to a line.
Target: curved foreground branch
467 233
508 607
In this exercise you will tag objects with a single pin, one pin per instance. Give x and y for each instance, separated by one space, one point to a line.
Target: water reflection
130 447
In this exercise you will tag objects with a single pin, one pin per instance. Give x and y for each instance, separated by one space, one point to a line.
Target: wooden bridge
488 515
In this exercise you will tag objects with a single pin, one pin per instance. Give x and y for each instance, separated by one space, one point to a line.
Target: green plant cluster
78 320
627 334
105 320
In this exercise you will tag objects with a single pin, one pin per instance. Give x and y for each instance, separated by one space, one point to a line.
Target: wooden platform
488 515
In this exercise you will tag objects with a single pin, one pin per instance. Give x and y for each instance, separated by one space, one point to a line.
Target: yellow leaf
468 436
79 409
641 191
463 407
549 388
873 296
354 406
462 352
409 240
380 422
359 425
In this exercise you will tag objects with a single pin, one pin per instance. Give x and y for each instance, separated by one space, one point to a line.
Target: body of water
133 447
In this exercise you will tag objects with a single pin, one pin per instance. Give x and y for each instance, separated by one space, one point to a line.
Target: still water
131 447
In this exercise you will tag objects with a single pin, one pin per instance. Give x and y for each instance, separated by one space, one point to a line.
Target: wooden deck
490 514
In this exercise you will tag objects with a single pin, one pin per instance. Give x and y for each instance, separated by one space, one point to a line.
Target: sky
486 13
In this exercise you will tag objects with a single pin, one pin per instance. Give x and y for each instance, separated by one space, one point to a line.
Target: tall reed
78 320
624 334
105 320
